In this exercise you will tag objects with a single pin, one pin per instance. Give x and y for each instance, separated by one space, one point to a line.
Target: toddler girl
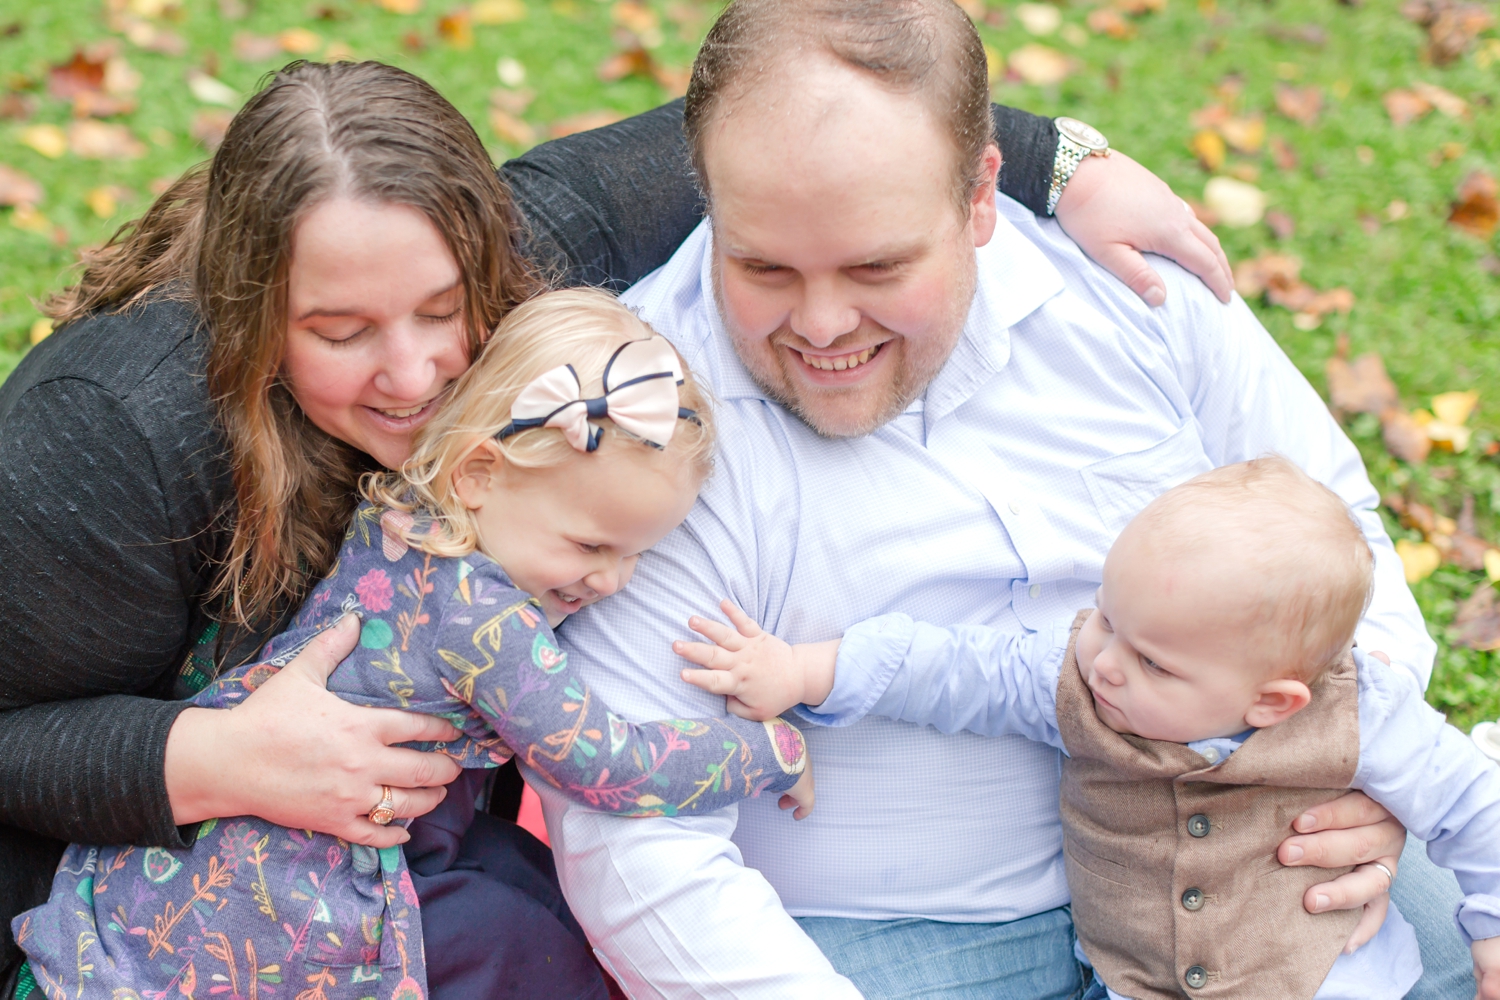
1207 701
525 499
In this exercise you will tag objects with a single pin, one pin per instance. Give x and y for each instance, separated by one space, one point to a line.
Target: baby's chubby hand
759 674
1487 968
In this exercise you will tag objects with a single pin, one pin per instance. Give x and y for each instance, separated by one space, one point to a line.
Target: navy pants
494 919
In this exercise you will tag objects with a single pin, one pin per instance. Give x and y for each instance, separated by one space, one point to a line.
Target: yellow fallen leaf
402 6
103 202
498 11
95 140
1449 437
1210 150
1236 203
338 51
299 41
1039 65
1492 564
27 218
1245 135
210 90
42 329
1454 407
994 62
49 140
1039 18
1418 559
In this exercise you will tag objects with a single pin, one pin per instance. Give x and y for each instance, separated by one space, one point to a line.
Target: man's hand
1487 968
800 796
759 674
1115 210
298 756
1350 830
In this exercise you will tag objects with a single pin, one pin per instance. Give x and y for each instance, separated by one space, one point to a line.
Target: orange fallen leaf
510 128
78 75
1447 102
299 41
1476 211
1361 386
1209 149
1107 21
1245 134
1040 65
17 188
1451 26
639 20
95 140
1300 104
457 29
585 122
1404 437
1405 107
17 107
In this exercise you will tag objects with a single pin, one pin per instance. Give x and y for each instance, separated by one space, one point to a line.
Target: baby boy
1210 699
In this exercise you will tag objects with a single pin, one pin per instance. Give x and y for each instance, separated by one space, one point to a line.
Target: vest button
1198 825
1192 899
1196 977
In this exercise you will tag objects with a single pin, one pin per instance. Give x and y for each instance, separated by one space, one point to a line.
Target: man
929 403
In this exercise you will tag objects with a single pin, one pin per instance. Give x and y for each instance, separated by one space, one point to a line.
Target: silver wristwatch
1076 140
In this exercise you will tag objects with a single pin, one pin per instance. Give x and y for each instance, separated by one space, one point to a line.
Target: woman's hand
1115 210
300 757
1350 830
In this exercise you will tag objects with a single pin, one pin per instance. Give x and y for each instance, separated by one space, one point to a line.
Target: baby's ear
1276 701
477 474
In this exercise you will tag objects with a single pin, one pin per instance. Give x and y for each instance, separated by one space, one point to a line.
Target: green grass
1424 297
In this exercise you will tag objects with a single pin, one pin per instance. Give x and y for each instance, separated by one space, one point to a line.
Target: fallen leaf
1418 559
1476 211
974 8
1397 210
211 91
510 72
457 29
1476 624
1492 564
1039 18
28 219
1040 65
1236 203
1466 551
498 11
1300 104
102 202
154 39
1253 277
120 78
413 42
209 125
254 48
1107 21
299 41
1209 148
1404 437
514 102
1361 386
510 128
1313 35
40 331
402 6
585 122
1136 8
1282 226
1282 154
94 140
1244 134
1210 117
1454 407
1447 102
994 63
67 80
17 188
338 51
17 107
640 21
49 140
1451 26
1405 107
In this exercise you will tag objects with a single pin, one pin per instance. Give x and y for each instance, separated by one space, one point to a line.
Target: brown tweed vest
1172 863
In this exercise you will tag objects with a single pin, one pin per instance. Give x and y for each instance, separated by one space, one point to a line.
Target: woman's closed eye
450 317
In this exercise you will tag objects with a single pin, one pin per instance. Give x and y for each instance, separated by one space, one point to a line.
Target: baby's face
570 535
1165 654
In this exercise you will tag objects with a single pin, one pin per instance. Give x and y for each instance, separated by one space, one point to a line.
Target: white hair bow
640 396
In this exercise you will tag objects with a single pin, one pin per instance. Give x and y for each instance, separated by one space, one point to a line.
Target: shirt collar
1014 280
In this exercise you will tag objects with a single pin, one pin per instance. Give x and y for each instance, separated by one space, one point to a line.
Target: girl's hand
1486 968
801 797
1115 210
759 674
300 757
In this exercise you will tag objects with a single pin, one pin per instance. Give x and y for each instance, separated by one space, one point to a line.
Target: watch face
1082 133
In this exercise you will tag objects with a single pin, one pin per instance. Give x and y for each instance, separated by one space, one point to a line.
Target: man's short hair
927 48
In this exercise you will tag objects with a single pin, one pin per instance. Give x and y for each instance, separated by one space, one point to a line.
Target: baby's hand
759 674
1486 968
800 795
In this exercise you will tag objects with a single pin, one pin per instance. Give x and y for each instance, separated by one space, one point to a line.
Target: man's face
844 266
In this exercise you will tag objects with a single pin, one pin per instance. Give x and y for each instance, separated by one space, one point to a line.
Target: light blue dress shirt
1066 406
1432 777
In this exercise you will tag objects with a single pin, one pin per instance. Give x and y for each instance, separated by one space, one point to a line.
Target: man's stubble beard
914 372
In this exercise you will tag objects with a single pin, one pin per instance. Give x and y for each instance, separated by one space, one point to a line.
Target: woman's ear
477 474
1276 701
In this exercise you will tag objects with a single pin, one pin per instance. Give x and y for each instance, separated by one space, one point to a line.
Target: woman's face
375 325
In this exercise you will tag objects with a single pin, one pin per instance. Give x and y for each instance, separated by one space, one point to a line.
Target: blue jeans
1027 959
1032 959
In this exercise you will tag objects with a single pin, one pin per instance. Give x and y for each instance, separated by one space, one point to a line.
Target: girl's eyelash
442 319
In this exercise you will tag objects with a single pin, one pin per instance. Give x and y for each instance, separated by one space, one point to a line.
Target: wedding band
1390 876
385 809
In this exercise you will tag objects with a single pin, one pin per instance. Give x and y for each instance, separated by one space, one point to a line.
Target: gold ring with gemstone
385 809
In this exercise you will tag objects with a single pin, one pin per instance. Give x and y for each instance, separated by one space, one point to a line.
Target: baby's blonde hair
1312 570
581 327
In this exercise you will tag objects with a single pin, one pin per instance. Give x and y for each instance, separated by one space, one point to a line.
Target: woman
178 463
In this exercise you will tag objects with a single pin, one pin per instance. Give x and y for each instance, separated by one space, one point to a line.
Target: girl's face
570 534
375 324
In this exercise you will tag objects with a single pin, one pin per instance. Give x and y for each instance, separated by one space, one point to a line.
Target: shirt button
1211 755
1015 508
1196 977
1035 591
1192 900
1198 825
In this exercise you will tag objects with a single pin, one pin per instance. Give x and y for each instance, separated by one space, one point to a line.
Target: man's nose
824 314
407 364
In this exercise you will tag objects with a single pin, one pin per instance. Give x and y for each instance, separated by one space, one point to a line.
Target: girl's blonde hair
581 327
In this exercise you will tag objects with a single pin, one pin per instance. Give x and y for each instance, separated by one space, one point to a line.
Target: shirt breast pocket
1122 485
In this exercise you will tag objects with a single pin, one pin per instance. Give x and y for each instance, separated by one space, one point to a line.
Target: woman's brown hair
222 238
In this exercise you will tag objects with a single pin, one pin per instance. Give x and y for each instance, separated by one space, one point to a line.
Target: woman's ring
1390 876
385 809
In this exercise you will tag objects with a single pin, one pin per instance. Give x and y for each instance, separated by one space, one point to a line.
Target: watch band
1064 164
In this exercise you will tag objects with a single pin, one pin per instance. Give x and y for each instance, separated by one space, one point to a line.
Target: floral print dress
260 912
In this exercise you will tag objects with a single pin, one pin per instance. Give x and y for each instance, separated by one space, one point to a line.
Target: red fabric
530 816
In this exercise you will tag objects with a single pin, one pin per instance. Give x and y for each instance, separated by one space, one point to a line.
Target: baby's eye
586 548
1152 665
